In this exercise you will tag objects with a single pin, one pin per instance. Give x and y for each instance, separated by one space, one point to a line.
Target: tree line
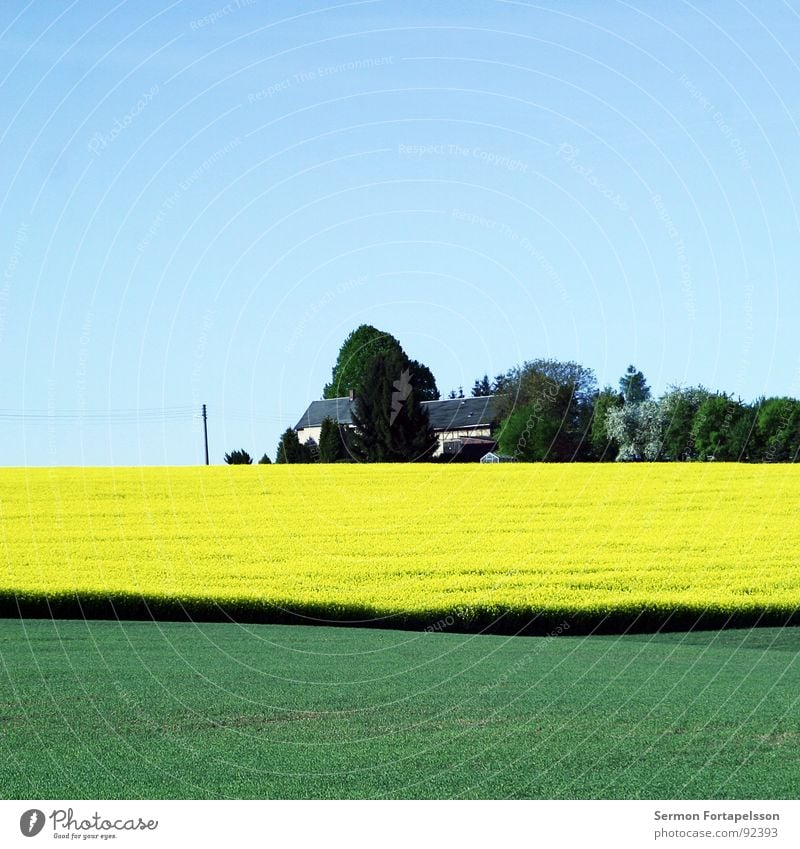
555 411
547 411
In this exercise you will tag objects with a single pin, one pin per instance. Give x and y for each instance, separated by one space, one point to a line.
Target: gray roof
461 413
338 409
450 414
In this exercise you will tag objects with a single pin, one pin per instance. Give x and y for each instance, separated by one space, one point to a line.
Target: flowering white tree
638 429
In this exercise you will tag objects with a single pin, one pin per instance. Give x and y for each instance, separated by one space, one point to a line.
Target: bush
240 457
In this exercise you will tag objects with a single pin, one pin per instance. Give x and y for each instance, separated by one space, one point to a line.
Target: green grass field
178 710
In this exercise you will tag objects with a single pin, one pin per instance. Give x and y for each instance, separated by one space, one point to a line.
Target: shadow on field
473 620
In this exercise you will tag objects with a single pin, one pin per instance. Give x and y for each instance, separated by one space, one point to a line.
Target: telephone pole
205 430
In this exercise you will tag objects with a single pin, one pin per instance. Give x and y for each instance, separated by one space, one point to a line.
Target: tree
638 430
558 400
364 343
680 407
424 381
778 430
603 446
481 388
264 461
742 441
633 386
239 457
536 379
391 425
331 442
290 450
530 434
722 428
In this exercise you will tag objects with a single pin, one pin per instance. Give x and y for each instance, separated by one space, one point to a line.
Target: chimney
352 394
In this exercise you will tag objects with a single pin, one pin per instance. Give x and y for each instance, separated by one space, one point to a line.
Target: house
463 426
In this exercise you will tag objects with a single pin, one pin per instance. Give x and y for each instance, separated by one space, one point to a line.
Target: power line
98 416
107 411
133 416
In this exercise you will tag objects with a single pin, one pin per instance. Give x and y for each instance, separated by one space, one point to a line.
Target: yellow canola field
418 540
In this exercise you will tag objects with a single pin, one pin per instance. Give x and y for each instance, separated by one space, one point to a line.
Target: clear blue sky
200 201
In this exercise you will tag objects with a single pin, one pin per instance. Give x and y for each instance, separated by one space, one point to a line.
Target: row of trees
695 424
554 411
547 410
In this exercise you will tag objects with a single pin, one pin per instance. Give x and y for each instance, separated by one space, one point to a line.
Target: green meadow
108 709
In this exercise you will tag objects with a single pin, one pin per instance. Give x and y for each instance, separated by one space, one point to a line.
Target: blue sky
200 201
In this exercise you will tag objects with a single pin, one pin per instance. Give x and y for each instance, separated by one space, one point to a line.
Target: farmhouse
463 426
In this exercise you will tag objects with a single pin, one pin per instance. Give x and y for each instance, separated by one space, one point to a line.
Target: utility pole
205 430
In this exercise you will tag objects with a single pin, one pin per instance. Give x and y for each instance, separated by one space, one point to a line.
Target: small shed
492 457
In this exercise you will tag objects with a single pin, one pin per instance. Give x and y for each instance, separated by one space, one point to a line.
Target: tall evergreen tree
290 450
482 387
391 423
633 386
331 442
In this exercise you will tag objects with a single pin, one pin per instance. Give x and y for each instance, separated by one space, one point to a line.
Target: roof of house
338 409
450 414
462 413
